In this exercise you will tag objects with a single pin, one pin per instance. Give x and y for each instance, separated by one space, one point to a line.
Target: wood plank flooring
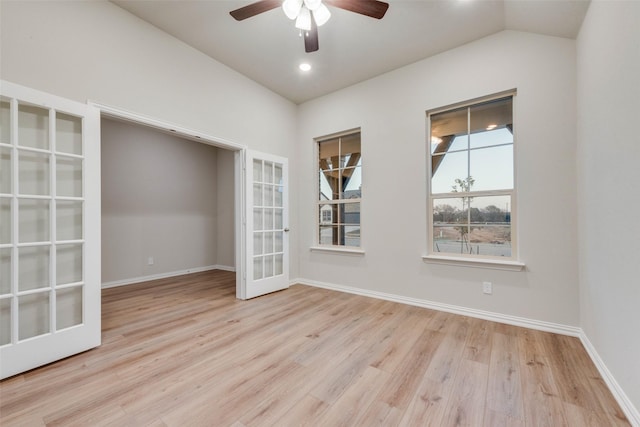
184 352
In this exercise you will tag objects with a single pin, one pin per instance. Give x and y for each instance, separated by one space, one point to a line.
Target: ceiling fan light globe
313 4
304 19
321 15
292 8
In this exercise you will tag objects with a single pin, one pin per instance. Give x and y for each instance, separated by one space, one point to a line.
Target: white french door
266 225
49 228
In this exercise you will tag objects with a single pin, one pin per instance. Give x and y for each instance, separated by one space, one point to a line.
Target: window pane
449 211
350 150
490 115
329 154
33 127
329 185
447 239
446 126
328 235
490 240
492 168
349 213
352 183
352 235
491 210
328 214
446 169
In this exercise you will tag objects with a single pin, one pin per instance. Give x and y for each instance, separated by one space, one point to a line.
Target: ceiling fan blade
311 38
373 8
254 9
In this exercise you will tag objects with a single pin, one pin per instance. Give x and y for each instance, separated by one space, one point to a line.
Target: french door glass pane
278 265
33 222
257 194
68 134
268 195
5 122
268 266
5 271
5 220
33 267
68 264
257 268
258 239
33 173
278 238
277 196
68 220
33 127
257 171
68 307
257 219
33 315
5 321
277 219
5 170
68 177
268 219
268 172
268 242
277 174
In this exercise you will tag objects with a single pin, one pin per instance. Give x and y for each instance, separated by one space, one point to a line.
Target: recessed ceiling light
304 66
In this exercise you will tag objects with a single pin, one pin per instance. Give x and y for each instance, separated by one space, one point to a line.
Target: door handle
286 230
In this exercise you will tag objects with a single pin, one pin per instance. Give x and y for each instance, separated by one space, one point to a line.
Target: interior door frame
239 152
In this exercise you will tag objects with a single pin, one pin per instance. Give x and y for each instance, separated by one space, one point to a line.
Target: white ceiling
353 48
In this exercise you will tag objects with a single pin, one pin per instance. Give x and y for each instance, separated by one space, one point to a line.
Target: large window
340 190
472 185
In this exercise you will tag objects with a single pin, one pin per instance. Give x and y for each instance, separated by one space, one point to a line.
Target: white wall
94 50
161 198
390 109
608 50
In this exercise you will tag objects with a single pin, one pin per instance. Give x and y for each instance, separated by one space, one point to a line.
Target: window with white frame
472 180
339 190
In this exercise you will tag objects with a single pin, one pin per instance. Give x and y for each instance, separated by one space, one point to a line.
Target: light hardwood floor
184 352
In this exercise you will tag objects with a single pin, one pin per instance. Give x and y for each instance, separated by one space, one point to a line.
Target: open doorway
169 202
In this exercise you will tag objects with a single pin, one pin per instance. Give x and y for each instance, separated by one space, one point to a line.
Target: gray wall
163 197
390 110
608 177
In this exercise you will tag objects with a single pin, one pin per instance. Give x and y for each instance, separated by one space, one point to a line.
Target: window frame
318 246
466 259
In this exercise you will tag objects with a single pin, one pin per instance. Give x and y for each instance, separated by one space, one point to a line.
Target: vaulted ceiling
268 49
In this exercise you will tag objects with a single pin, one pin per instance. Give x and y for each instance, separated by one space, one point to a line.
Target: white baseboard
625 403
455 309
133 280
621 397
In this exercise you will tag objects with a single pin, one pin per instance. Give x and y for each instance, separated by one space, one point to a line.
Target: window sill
479 263
335 249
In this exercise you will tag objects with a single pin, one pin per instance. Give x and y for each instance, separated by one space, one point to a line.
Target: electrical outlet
150 261
487 288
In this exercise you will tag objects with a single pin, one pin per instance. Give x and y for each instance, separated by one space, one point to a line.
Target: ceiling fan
310 14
